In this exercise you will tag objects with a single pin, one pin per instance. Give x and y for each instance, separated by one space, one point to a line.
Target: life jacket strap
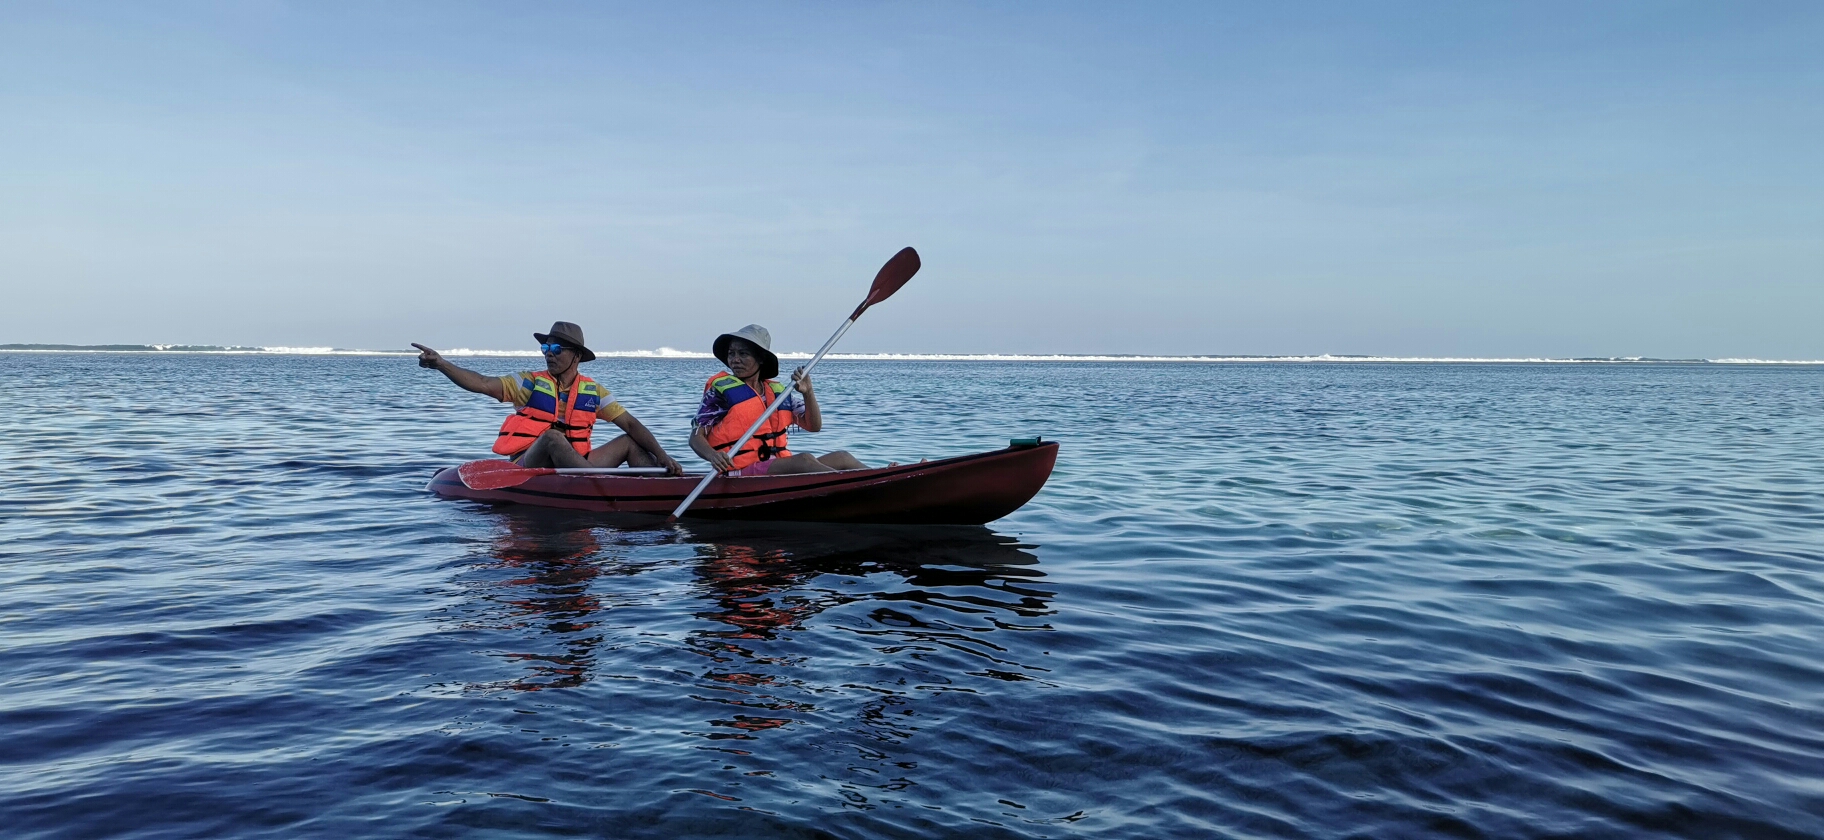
763 437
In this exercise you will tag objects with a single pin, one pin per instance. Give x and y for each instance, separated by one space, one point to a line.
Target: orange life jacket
744 406
575 417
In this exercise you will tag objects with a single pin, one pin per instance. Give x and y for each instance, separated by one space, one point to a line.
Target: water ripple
1262 600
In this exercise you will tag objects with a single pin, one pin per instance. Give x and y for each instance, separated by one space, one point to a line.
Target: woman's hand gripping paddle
499 475
892 276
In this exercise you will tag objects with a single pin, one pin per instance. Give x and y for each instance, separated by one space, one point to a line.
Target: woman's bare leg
842 460
801 463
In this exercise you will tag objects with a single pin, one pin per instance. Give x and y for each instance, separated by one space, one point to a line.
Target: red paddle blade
892 276
496 475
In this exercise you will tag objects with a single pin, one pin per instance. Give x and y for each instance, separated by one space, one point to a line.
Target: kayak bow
965 490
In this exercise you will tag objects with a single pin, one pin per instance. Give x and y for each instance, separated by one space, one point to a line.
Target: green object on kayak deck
1024 443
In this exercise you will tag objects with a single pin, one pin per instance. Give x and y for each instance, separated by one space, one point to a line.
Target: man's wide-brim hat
564 332
763 348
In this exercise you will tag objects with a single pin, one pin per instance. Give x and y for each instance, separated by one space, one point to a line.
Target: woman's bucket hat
763 346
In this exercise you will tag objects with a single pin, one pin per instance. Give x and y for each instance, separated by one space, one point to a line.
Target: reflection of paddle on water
744 577
763 583
897 546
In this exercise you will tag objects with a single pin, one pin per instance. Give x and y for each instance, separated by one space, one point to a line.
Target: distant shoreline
669 353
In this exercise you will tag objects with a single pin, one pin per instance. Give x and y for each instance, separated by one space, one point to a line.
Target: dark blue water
1273 600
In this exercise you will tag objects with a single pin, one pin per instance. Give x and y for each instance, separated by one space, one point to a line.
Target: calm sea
1255 600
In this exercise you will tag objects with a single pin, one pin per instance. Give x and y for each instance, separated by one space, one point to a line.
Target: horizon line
690 355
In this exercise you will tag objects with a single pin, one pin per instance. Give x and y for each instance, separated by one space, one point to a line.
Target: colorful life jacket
744 406
575 418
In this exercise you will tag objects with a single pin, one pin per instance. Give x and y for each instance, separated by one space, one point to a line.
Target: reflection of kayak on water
965 490
859 550
549 579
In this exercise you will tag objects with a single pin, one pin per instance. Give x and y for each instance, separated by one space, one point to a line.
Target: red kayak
965 490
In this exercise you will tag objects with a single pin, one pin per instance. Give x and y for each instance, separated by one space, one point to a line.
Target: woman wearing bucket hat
557 409
734 398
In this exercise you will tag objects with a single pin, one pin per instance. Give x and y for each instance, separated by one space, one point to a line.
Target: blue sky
1557 179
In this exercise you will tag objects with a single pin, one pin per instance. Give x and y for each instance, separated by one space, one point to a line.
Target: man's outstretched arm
464 378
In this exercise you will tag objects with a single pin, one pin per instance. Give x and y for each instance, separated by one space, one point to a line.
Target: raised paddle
498 475
891 276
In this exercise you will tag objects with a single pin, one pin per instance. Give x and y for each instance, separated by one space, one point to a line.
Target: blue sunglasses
552 349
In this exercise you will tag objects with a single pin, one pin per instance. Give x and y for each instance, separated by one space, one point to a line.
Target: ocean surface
1255 600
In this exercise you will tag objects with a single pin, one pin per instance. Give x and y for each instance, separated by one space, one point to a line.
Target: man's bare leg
551 450
621 450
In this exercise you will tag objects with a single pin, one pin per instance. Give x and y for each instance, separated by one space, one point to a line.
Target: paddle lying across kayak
965 490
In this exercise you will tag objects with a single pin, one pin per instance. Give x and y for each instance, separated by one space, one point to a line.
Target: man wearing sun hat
557 409
736 397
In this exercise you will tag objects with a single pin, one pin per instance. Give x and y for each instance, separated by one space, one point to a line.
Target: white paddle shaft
611 470
773 406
